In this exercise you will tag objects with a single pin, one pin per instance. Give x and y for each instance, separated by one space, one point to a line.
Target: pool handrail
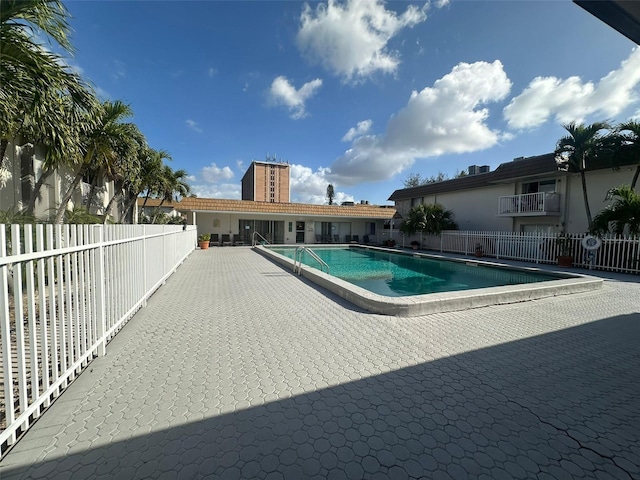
253 239
297 259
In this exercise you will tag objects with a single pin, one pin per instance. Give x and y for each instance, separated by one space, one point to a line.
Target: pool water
398 275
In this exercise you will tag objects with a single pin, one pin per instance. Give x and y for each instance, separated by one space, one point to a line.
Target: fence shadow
563 403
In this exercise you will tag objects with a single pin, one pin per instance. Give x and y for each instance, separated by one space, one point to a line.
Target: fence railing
529 203
65 291
616 254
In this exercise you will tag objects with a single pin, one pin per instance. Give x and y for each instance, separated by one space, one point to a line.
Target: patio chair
336 239
215 240
226 240
373 240
355 239
318 238
237 239
347 239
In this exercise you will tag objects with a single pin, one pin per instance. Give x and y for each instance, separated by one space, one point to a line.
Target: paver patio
238 369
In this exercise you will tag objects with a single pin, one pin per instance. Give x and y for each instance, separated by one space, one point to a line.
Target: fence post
5 329
100 295
498 246
144 264
441 240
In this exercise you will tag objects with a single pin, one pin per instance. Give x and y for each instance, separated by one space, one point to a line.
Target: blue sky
358 94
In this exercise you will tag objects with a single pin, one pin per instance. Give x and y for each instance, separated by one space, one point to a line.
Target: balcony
529 204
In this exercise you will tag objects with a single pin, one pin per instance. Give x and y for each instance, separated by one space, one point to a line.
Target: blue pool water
397 275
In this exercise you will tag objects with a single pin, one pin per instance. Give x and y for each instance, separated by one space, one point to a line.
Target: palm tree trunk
155 214
67 196
635 178
583 177
36 190
92 191
108 207
127 211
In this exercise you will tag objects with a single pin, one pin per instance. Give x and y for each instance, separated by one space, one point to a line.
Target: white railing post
5 330
99 285
144 264
19 319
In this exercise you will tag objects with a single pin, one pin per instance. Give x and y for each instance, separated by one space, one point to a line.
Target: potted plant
564 244
479 251
415 245
390 243
203 241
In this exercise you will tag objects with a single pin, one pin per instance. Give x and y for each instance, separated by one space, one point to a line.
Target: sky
358 94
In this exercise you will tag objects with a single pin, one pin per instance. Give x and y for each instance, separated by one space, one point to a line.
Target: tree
330 194
629 133
32 79
413 180
104 139
623 212
428 219
577 149
173 182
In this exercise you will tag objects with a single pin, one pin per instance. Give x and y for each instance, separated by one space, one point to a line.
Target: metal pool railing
297 259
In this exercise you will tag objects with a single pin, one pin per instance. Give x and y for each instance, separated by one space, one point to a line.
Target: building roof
272 208
507 172
622 15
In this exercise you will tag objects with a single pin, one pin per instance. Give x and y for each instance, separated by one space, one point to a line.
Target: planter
203 245
565 261
478 253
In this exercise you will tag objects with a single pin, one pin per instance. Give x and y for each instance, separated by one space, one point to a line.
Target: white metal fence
65 291
616 254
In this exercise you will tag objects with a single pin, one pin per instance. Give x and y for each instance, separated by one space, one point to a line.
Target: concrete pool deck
239 369
415 305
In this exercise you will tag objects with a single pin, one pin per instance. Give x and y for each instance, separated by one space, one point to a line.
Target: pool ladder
297 259
264 241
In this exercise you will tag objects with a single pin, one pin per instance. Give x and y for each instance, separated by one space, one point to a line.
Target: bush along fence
65 291
615 253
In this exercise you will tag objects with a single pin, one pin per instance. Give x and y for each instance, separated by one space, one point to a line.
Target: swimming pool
395 275
402 303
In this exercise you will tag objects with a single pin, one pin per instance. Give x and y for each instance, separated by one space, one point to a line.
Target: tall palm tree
429 219
630 136
104 138
578 148
174 185
623 212
30 75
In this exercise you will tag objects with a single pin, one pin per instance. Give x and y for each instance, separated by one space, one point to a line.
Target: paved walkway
238 369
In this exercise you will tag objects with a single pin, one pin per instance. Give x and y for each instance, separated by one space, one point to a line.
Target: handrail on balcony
539 202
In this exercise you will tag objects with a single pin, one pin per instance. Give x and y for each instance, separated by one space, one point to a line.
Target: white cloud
572 99
213 173
240 165
350 39
212 72
283 93
445 118
357 131
193 125
118 70
222 190
308 186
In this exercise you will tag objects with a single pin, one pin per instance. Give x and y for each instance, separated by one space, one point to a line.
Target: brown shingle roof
527 167
223 205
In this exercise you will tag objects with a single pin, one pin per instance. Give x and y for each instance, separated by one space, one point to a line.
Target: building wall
598 183
261 177
228 223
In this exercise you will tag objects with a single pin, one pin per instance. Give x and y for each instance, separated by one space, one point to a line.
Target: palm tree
631 141
105 137
623 212
577 149
173 182
429 219
30 75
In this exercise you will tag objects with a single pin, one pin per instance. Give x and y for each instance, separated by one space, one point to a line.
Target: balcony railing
541 203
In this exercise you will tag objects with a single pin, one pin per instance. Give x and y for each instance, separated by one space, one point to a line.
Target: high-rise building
266 181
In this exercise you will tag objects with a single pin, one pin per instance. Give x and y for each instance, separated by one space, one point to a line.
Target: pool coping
415 305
